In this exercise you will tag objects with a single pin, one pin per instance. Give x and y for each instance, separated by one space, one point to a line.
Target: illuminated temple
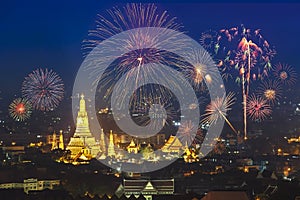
83 143
173 145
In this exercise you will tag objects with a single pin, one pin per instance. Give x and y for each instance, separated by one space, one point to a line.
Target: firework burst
270 90
154 108
187 132
258 108
208 39
130 17
20 109
285 74
246 55
202 70
44 89
134 15
131 65
218 109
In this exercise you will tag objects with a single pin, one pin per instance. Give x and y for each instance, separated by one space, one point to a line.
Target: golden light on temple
279 151
294 139
286 171
83 144
246 169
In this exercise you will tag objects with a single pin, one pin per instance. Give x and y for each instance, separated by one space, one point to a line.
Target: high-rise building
83 142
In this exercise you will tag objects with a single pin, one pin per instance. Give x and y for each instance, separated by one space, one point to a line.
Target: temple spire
111 146
61 141
54 141
83 141
82 104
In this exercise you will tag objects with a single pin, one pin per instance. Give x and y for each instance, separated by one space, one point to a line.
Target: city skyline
165 100
58 37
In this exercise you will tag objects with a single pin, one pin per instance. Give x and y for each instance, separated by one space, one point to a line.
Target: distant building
157 140
132 147
13 153
32 184
57 142
147 188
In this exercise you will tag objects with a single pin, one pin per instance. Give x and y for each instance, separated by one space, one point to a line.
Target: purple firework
44 89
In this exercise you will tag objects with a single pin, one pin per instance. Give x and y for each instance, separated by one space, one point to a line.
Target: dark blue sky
49 34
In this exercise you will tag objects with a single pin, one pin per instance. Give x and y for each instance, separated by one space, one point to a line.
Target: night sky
49 34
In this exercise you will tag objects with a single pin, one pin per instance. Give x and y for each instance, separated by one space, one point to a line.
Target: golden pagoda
132 147
83 142
173 145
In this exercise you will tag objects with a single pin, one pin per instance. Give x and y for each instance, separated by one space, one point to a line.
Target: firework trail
244 54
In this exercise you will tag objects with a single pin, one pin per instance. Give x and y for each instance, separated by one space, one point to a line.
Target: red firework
20 109
258 108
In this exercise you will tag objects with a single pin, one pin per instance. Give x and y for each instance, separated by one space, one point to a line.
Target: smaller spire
54 141
111 146
61 140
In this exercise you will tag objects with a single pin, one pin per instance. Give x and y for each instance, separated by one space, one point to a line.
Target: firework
258 108
131 64
158 109
244 54
245 49
208 39
186 132
285 74
44 89
20 109
218 109
133 16
129 17
202 70
270 90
